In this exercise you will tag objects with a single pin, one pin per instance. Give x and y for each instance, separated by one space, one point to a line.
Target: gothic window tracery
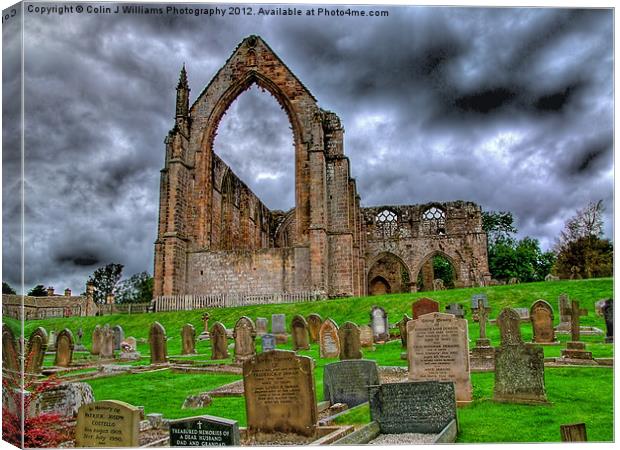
434 221
387 223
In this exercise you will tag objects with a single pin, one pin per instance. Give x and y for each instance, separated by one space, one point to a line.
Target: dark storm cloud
509 108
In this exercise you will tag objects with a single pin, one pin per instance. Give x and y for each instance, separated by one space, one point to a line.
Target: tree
104 280
580 247
498 225
38 291
136 289
7 289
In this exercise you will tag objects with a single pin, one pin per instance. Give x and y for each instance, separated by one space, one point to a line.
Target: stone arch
253 62
389 271
425 269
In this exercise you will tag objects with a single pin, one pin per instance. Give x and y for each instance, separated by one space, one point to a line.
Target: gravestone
438 350
299 330
564 308
524 314
347 381
608 314
575 349
402 328
205 332
51 343
279 393
64 348
349 336
366 337
107 342
109 423
79 347
482 355
129 350
414 407
203 431
219 344
456 310
119 336
261 326
278 328
35 351
64 399
188 339
268 342
314 325
423 306
10 354
329 342
519 367
158 344
541 316
475 307
97 340
379 323
244 335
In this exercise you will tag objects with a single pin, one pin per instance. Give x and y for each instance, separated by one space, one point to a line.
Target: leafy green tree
136 289
498 225
590 255
38 291
7 289
104 280
444 270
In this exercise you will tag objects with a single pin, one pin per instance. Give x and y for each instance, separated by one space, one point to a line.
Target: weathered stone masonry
216 236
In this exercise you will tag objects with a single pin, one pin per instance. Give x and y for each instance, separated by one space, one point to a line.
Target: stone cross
574 312
205 318
482 319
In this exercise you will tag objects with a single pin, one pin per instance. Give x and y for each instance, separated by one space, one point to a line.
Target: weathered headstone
456 309
415 407
329 342
402 328
35 351
424 306
158 344
564 308
279 393
519 367
268 342
97 340
314 325
608 314
379 323
107 342
188 339
64 348
119 335
64 399
574 432
541 316
108 423
299 330
575 349
219 344
51 343
205 332
438 351
261 326
10 354
347 381
244 335
524 314
79 347
366 337
349 336
203 431
278 328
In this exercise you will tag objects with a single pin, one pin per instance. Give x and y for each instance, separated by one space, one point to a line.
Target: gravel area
404 438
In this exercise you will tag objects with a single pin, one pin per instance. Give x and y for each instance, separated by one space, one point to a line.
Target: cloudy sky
509 108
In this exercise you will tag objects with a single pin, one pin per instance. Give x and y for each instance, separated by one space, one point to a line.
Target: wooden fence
190 302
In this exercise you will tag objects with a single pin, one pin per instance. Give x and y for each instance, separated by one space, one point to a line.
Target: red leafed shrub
44 430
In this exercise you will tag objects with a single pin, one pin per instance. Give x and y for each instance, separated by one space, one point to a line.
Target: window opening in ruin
436 268
255 139
434 221
387 223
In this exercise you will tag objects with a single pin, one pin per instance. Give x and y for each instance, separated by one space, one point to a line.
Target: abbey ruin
216 236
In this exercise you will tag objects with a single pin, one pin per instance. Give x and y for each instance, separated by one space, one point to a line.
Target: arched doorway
436 272
388 275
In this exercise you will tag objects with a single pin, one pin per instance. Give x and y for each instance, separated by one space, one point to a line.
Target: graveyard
169 380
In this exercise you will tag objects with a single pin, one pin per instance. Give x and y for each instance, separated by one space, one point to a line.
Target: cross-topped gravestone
205 333
574 313
203 431
482 356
